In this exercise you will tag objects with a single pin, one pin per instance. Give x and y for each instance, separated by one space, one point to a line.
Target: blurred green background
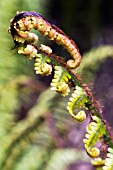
36 131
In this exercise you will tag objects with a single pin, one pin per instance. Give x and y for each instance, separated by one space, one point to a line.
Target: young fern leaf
23 22
60 81
77 100
45 49
98 162
42 66
95 131
29 51
109 160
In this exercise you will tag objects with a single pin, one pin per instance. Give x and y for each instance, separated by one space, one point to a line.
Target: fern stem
94 108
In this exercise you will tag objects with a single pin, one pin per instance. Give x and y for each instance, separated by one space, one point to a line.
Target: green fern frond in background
92 60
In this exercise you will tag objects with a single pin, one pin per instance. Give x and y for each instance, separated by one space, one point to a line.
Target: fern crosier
109 160
23 22
42 62
95 131
42 66
98 162
29 51
77 100
60 81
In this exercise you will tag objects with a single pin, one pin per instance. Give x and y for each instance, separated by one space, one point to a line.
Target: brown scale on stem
23 22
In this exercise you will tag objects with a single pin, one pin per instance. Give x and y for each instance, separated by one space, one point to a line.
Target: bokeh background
36 131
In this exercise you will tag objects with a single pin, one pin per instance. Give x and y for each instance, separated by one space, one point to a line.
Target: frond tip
29 51
80 116
42 66
93 152
98 162
60 81
23 22
77 100
95 131
109 160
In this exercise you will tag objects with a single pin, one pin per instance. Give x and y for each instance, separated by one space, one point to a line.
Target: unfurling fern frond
60 81
42 66
45 49
23 22
64 76
109 160
29 51
77 100
98 162
95 131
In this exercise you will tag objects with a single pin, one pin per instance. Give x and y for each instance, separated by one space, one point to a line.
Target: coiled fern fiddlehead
64 77
60 81
25 21
95 130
